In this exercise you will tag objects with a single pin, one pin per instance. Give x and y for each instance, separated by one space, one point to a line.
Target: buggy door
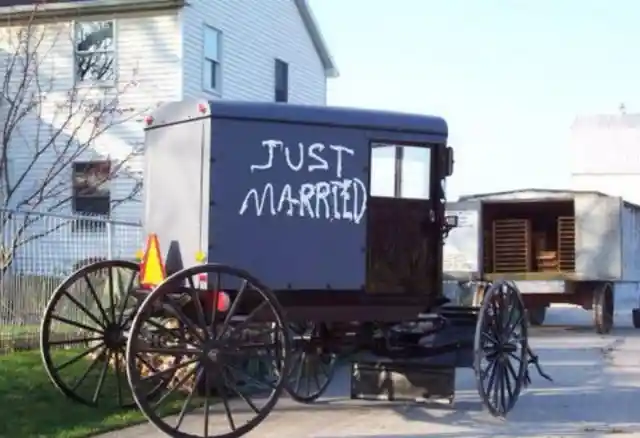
404 214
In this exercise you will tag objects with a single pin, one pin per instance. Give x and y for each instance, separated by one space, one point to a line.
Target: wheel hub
114 338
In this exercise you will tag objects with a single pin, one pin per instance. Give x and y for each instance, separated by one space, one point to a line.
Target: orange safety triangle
152 271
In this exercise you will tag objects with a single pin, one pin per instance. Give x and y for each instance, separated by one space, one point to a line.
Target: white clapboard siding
162 52
254 33
149 71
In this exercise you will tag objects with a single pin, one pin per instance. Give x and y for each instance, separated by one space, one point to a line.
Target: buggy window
400 171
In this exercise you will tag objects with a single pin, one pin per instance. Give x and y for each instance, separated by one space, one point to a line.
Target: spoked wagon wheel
312 367
230 320
82 336
501 348
603 308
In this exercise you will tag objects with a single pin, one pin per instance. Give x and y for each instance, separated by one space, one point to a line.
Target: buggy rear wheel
501 348
229 319
312 367
82 335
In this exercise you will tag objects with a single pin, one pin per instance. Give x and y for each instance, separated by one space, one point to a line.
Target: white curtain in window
416 169
383 167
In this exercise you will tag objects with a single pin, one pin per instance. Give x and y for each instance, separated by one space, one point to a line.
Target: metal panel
174 196
291 223
462 254
625 186
630 242
598 237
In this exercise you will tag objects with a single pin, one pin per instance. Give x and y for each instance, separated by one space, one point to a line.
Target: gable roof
318 40
309 20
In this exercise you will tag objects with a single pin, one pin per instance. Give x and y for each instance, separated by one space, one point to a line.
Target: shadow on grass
30 406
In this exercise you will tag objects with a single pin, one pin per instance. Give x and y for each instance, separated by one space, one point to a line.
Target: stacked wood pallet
566 244
546 257
511 245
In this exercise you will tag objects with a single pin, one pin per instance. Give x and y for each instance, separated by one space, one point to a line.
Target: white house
605 154
135 54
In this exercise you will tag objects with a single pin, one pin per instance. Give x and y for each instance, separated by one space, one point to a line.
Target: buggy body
329 207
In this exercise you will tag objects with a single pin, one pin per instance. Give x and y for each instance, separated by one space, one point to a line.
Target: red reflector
202 108
148 120
224 302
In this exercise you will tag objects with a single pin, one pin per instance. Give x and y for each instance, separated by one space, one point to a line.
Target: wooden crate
511 245
567 244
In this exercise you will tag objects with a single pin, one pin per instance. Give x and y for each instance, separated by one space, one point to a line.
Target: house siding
162 54
148 50
254 33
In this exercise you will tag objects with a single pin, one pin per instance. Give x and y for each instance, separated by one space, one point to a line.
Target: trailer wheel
537 315
501 348
312 367
603 308
231 319
635 316
82 335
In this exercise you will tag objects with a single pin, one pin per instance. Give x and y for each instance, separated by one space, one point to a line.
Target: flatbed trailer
558 246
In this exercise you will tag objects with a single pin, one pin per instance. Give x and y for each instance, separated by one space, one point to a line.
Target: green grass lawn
30 406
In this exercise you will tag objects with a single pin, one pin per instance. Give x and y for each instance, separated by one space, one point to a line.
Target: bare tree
51 125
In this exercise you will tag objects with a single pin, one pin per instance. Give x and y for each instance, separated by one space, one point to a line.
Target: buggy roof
319 115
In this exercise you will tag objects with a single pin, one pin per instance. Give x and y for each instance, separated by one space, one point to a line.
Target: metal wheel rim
99 362
163 292
500 374
301 368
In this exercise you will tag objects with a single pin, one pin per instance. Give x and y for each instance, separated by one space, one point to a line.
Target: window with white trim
211 80
94 51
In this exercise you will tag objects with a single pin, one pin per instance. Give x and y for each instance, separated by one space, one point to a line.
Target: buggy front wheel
501 348
231 323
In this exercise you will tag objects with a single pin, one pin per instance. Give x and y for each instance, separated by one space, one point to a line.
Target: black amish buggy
290 236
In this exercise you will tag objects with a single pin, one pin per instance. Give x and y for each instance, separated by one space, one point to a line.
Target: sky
509 76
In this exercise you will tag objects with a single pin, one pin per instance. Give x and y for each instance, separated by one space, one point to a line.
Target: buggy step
393 380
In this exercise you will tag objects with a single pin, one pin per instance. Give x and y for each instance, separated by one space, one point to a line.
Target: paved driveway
596 393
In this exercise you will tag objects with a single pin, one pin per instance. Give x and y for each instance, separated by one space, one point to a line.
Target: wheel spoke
118 375
76 324
176 386
184 319
125 299
76 341
207 392
187 402
78 357
197 303
84 310
225 402
102 378
240 394
94 295
234 308
170 332
249 378
170 370
90 368
300 371
216 298
112 299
